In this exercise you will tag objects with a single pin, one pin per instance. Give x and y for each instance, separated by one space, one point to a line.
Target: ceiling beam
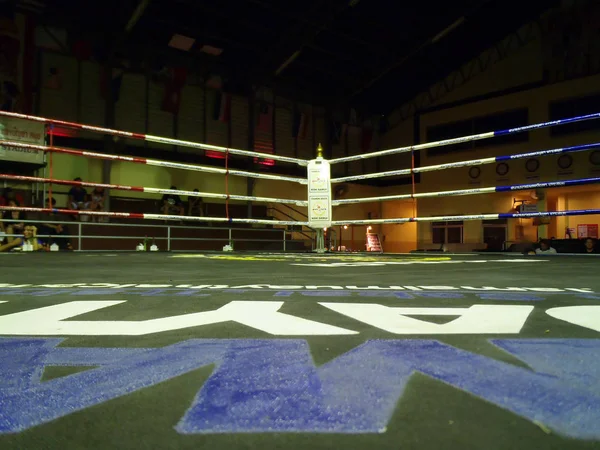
339 76
245 45
294 45
398 62
283 12
137 15
225 14
337 55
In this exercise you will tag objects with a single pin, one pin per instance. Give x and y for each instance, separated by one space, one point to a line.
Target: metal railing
308 232
169 235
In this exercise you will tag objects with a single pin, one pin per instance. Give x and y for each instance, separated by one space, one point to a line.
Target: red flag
367 138
225 108
172 98
265 118
303 126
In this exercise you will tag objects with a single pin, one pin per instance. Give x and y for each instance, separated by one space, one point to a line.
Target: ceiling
369 54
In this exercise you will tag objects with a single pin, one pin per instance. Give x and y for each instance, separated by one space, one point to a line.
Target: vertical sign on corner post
319 192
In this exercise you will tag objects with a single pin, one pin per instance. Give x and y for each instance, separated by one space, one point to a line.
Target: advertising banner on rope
25 131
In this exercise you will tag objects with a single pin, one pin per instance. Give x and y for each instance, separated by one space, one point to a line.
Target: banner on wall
21 131
587 231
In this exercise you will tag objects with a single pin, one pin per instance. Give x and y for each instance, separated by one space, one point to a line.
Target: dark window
454 235
572 107
447 232
439 235
476 125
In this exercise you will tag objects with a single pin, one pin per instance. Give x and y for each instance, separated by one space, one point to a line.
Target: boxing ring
319 201
273 350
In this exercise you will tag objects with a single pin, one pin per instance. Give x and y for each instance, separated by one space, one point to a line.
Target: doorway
495 234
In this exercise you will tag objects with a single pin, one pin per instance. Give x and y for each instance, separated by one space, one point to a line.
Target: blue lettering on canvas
274 385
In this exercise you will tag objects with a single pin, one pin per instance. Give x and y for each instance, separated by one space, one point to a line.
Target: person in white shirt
545 248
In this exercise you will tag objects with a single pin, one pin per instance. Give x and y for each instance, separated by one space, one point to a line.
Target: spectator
590 246
98 198
56 231
545 248
8 195
29 235
13 221
172 204
77 197
195 206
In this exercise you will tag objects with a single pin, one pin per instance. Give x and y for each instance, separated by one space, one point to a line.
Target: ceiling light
181 42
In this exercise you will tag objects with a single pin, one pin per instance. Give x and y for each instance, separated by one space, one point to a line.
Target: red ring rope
412 172
51 164
227 183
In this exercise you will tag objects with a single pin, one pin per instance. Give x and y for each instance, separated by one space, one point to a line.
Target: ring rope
463 139
472 162
151 190
574 212
151 162
472 191
156 139
145 216
50 163
412 172
227 184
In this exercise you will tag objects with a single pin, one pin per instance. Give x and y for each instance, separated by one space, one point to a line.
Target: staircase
374 243
300 237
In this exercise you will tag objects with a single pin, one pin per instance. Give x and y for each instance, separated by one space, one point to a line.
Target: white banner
319 193
25 131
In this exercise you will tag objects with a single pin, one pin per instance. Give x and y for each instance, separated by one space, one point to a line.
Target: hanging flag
222 107
54 80
336 132
225 110
116 79
82 50
9 96
173 87
344 134
303 127
10 44
353 118
366 139
300 130
265 118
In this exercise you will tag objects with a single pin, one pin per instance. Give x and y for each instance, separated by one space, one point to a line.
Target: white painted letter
478 319
584 316
264 316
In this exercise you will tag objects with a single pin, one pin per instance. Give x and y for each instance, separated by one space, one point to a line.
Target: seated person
172 204
545 248
8 195
590 246
13 221
195 205
77 197
56 231
29 236
97 199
